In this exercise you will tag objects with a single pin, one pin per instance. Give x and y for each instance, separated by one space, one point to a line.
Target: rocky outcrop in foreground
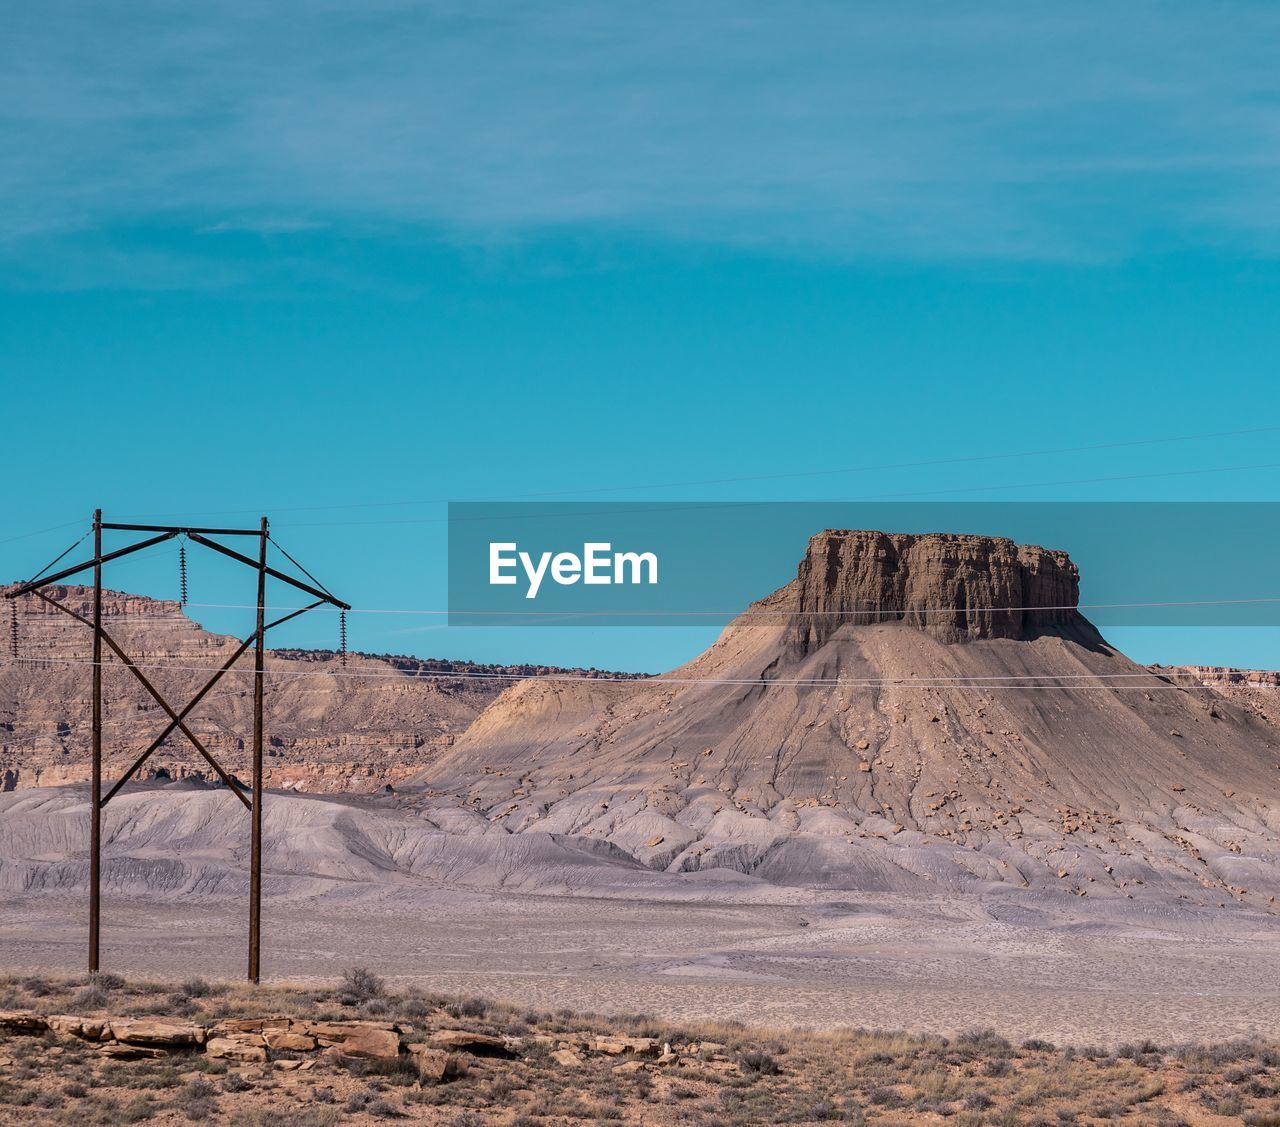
291 1044
514 1066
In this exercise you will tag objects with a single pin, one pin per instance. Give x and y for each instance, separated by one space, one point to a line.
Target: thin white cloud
263 225
920 130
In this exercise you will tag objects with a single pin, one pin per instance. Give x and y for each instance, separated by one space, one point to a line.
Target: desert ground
359 1050
909 855
940 965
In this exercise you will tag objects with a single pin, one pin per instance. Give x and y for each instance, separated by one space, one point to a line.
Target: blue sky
312 260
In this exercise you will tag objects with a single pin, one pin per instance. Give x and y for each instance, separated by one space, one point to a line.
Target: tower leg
95 823
255 854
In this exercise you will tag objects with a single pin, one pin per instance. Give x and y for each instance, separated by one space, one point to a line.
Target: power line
39 616
971 680
596 490
901 496
41 531
740 479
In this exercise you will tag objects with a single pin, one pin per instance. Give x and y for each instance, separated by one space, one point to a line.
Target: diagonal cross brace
155 694
67 572
176 721
225 668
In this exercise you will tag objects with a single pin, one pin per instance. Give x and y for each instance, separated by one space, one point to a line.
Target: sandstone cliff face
329 729
954 588
1256 690
1263 680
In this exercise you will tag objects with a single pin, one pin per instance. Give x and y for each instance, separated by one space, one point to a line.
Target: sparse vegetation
728 1074
360 986
756 1061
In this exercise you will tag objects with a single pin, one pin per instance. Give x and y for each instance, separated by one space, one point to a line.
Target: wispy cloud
263 225
920 130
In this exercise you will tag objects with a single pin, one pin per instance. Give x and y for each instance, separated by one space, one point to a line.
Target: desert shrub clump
761 1063
196 988
359 986
467 1007
197 1100
92 998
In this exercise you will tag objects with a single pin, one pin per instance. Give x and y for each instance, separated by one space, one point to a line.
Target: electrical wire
886 612
59 558
740 479
919 493
981 681
40 531
302 569
595 490
561 615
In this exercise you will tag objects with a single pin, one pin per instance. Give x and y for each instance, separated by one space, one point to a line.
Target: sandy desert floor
938 966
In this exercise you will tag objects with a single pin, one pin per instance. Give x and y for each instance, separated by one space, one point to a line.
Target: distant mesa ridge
956 588
358 727
975 732
910 712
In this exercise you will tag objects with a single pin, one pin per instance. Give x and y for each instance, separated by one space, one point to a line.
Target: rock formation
1255 690
358 728
873 725
910 714
954 588
1219 676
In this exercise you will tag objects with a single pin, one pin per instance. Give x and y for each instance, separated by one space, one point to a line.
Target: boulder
120 1051
149 1031
71 1025
478 1044
288 1040
22 1021
617 1046
250 1024
372 1043
367 1039
631 1066
234 1049
323 1029
567 1057
435 1066
582 1041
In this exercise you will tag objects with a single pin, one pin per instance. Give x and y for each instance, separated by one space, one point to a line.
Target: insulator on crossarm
13 629
182 574
342 637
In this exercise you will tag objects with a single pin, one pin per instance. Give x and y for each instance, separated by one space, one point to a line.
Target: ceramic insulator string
182 574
